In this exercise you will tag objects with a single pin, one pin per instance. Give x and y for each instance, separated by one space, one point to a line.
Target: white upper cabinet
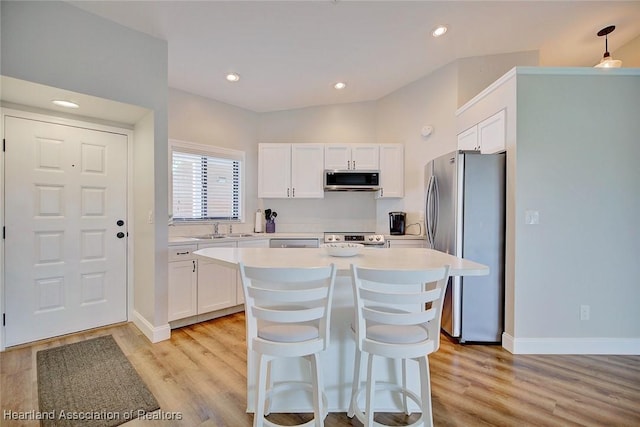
351 156
488 136
391 170
468 140
274 170
290 171
307 171
492 133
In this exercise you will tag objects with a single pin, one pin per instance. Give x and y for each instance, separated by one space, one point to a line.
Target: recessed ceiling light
233 77
66 104
340 85
439 30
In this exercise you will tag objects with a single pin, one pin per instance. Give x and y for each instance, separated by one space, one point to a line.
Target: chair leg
269 386
261 384
318 404
355 385
404 387
371 392
425 392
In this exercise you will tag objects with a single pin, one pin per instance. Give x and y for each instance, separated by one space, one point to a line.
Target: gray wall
577 164
55 44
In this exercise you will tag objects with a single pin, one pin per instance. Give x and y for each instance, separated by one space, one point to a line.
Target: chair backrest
400 298
287 295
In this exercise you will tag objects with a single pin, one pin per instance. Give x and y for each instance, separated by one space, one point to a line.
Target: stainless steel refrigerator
465 216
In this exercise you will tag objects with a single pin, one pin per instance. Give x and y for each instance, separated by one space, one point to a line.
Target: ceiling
290 53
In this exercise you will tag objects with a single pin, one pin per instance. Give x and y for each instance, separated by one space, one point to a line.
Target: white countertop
391 258
175 240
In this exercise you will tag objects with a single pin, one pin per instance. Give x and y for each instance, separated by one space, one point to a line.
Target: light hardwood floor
201 373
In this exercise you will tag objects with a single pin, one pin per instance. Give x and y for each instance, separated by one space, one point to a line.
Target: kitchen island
337 361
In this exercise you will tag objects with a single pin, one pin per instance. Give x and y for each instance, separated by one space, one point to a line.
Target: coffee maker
396 223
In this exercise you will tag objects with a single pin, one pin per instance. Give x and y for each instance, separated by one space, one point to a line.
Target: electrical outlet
585 312
531 217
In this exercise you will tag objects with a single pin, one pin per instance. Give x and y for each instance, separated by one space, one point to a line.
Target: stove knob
370 238
378 238
337 238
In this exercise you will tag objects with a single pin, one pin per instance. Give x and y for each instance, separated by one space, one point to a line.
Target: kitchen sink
222 236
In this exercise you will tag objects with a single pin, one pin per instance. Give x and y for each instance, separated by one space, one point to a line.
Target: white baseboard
618 346
153 333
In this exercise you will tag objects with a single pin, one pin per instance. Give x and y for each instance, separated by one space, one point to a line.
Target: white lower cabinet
198 286
216 284
406 243
183 282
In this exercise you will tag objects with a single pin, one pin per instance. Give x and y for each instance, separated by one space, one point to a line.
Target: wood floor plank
200 375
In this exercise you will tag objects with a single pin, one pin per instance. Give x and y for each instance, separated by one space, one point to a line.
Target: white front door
65 242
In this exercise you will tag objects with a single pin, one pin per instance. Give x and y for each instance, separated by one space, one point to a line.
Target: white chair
398 315
287 313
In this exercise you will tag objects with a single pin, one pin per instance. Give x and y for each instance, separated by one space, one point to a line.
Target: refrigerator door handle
436 208
427 211
431 213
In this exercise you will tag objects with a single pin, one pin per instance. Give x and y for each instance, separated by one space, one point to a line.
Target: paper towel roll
257 227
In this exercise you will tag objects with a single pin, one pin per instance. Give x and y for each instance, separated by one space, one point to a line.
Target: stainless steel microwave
351 180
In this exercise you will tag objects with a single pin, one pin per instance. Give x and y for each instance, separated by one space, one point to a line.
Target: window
206 183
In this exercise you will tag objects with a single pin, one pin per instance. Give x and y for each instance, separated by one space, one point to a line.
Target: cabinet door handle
348 164
194 265
182 253
293 192
354 164
287 192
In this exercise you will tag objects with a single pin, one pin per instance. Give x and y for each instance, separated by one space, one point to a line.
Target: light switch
531 217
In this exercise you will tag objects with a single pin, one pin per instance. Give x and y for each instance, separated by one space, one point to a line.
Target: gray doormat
90 383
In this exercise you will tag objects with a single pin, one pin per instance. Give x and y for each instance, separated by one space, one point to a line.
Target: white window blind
205 187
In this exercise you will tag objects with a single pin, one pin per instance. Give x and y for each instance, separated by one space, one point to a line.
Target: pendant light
607 61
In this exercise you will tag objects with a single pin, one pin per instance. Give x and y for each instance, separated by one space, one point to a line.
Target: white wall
477 72
577 164
431 100
629 54
204 121
396 118
58 45
342 123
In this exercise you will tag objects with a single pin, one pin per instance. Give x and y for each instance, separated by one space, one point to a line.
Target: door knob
120 235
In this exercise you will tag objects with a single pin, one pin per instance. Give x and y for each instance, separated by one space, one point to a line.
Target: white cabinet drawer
180 253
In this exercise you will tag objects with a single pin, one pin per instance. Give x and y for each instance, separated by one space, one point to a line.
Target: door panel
65 266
